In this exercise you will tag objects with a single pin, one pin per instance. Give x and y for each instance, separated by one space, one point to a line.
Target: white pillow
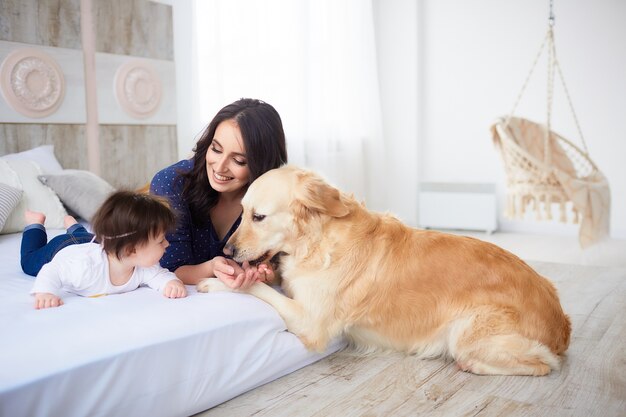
82 192
22 174
9 198
42 155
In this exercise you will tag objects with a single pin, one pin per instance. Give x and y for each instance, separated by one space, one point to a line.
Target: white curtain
315 62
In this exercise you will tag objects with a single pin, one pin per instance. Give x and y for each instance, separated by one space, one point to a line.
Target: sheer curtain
315 61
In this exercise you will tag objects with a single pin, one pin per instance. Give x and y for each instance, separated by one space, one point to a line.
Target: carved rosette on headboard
32 83
138 89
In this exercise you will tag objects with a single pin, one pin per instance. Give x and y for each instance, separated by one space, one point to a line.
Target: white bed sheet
135 354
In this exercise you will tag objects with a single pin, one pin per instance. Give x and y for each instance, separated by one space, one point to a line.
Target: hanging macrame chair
543 168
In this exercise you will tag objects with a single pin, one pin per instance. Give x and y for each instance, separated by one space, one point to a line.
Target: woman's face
226 163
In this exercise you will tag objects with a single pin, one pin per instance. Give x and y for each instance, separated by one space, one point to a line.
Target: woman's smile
221 178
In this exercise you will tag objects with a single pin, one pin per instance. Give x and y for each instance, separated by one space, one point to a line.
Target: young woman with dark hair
244 140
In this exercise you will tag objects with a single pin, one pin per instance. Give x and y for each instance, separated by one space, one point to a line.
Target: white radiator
462 206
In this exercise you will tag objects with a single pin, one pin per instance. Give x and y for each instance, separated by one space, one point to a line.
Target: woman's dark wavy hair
128 219
264 141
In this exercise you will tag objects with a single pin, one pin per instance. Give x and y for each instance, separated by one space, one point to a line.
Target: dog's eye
258 217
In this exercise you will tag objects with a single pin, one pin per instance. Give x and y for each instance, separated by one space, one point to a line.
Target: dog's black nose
230 250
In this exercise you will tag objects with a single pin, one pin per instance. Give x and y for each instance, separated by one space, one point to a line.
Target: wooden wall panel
132 154
70 146
41 22
134 27
135 153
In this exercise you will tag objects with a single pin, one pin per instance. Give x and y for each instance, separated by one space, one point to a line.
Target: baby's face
150 253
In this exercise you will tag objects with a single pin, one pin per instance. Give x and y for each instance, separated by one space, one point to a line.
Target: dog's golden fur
351 271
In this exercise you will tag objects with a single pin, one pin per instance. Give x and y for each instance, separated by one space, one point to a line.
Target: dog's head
280 209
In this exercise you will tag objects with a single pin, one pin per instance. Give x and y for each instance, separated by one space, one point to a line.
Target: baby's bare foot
33 217
69 221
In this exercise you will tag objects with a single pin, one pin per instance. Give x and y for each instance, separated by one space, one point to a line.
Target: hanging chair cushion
568 174
592 198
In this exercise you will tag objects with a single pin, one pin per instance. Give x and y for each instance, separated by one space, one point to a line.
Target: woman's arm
226 270
192 274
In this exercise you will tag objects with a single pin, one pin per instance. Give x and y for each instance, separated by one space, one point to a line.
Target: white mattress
134 354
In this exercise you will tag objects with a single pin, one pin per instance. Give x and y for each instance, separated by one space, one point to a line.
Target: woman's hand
254 274
229 272
240 277
266 273
47 300
175 289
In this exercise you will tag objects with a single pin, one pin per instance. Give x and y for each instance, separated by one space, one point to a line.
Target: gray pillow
9 198
83 192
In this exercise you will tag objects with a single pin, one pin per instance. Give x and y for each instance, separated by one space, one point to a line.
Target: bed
135 354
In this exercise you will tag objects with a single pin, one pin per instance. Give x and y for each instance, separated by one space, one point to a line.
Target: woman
244 140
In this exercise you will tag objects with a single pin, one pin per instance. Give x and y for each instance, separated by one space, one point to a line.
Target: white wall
397 36
473 58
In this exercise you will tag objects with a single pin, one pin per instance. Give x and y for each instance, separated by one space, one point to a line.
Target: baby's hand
175 289
47 300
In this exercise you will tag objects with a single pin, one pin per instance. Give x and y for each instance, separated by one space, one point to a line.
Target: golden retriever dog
347 270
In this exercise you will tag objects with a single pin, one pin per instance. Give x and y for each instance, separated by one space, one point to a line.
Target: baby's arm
175 289
47 286
164 281
47 300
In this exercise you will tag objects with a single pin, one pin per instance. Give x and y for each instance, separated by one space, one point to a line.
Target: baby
123 254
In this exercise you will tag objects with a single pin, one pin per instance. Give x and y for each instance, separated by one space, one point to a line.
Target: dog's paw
211 285
314 345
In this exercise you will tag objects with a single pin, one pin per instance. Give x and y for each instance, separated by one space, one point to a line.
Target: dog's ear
316 196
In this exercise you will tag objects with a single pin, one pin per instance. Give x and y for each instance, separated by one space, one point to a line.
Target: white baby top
83 269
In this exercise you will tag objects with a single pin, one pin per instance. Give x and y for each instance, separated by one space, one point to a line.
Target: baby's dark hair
128 219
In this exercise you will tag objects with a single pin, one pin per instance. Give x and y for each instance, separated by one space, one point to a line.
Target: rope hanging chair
543 168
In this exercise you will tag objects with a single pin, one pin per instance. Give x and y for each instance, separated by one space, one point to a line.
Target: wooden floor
592 381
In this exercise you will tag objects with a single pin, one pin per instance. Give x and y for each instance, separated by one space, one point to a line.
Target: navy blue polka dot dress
189 244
